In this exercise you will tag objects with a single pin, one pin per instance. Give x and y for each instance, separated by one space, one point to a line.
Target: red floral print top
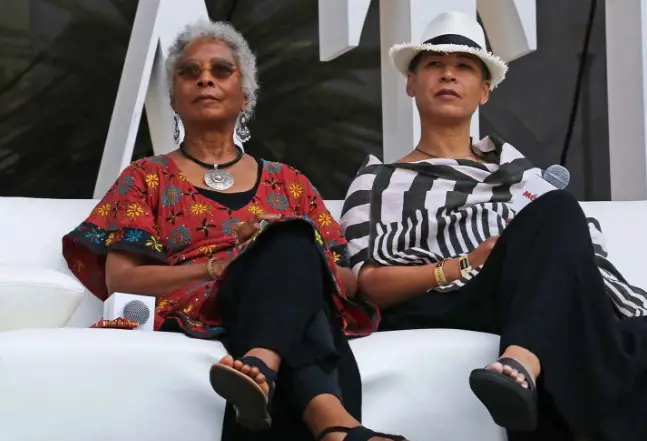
153 210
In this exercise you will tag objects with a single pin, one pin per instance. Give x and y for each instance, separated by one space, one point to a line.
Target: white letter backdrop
511 27
509 24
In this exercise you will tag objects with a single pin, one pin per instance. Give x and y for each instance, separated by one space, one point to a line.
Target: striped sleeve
355 215
630 300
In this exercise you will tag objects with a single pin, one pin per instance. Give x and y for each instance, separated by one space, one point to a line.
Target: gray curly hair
226 33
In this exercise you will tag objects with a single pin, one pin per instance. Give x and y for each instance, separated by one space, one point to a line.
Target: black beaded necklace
216 177
418 149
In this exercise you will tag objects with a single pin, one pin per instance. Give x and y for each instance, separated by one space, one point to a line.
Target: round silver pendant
218 179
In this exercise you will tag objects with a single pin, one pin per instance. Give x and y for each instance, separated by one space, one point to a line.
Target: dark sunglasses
220 70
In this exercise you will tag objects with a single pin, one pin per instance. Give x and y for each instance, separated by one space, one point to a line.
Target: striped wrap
419 213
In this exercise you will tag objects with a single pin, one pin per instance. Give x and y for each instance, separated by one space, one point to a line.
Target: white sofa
62 381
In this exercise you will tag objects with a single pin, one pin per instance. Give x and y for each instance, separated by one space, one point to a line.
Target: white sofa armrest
33 297
89 311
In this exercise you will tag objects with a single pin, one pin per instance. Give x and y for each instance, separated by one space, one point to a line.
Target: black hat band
453 39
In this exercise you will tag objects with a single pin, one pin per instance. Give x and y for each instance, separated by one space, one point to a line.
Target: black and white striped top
421 212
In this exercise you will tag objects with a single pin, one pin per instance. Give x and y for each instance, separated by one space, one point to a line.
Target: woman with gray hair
236 248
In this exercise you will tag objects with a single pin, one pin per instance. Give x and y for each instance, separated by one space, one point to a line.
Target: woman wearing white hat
437 242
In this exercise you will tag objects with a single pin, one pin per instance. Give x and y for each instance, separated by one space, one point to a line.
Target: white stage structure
626 26
511 27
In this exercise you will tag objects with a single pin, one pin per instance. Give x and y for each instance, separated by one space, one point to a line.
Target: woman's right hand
479 255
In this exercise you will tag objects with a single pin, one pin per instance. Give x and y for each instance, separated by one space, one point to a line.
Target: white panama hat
451 32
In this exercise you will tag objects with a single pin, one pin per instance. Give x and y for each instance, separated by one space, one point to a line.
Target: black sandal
359 433
245 394
510 404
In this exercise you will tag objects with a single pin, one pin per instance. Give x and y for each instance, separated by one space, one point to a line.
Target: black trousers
541 289
277 296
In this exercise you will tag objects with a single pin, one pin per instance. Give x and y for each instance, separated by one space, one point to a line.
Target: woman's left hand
246 230
218 267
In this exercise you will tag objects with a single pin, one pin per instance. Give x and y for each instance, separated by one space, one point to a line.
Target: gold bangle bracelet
439 273
210 270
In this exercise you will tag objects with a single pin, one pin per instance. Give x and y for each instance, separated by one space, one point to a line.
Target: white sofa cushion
415 383
101 384
37 298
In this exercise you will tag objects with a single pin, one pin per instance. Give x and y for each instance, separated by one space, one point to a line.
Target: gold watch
464 265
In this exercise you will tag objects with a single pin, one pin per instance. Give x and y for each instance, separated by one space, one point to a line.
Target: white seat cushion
415 383
99 384
37 298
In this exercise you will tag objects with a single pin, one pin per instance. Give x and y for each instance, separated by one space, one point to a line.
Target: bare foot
523 356
251 372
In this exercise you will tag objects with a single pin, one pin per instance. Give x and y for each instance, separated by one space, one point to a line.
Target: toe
238 365
495 367
227 360
254 372
246 369
262 383
507 369
260 379
521 378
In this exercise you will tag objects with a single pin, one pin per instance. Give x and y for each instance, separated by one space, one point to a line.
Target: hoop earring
242 131
176 128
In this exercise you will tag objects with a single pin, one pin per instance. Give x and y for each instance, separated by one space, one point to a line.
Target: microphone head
558 176
137 311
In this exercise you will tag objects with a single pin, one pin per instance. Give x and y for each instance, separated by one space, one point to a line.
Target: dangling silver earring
242 131
176 128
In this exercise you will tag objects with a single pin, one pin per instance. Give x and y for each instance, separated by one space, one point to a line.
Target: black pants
541 289
277 296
